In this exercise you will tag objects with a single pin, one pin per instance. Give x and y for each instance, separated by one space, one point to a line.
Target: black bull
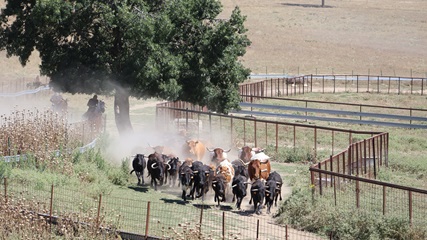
239 186
273 190
139 165
257 195
202 177
156 169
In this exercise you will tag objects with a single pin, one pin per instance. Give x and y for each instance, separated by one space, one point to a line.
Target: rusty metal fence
142 219
233 130
333 83
345 176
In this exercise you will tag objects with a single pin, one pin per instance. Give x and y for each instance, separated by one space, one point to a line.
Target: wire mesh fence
164 220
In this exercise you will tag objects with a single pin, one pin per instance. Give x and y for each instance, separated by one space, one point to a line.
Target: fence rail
333 83
336 175
143 219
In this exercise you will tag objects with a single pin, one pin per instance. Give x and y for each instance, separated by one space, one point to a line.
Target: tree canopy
169 49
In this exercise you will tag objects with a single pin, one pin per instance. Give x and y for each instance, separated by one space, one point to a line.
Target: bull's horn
169 166
267 191
195 171
214 181
209 149
228 150
254 190
234 185
278 182
152 166
247 163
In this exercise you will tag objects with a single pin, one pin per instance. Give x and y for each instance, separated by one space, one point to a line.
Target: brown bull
246 153
259 167
195 148
218 155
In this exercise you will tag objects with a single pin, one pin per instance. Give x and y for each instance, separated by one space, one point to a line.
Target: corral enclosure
375 38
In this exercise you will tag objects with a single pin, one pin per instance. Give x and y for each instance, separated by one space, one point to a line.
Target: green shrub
317 215
293 155
120 176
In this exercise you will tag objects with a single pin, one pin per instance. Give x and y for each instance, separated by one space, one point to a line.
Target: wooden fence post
286 232
51 205
255 130
410 207
200 220
5 190
384 200
99 210
223 225
357 194
277 137
147 220
320 179
257 229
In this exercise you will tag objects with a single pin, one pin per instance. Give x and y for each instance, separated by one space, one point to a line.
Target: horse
95 117
61 106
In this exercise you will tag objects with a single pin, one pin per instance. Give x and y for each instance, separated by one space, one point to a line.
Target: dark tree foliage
169 49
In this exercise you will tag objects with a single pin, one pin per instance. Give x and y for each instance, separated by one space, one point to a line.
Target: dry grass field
300 37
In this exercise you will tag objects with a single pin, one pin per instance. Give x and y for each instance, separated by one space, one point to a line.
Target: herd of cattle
220 174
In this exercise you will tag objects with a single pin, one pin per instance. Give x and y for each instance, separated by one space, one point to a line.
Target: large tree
169 49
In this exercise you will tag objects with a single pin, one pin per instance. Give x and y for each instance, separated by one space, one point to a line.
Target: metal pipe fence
348 192
277 137
344 174
331 84
171 219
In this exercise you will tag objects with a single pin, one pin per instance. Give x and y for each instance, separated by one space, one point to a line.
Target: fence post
5 190
294 137
398 89
99 210
315 142
357 194
255 133
51 205
186 119
410 207
286 232
277 137
147 220
384 200
333 136
374 158
210 124
244 132
257 229
201 219
320 179
231 129
331 166
323 84
223 225
335 192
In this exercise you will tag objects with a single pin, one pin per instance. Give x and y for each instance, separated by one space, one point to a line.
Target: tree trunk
121 112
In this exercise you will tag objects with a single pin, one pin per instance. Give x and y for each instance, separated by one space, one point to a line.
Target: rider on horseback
57 101
92 103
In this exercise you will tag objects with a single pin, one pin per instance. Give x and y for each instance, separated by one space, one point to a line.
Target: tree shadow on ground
142 189
306 5
176 201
